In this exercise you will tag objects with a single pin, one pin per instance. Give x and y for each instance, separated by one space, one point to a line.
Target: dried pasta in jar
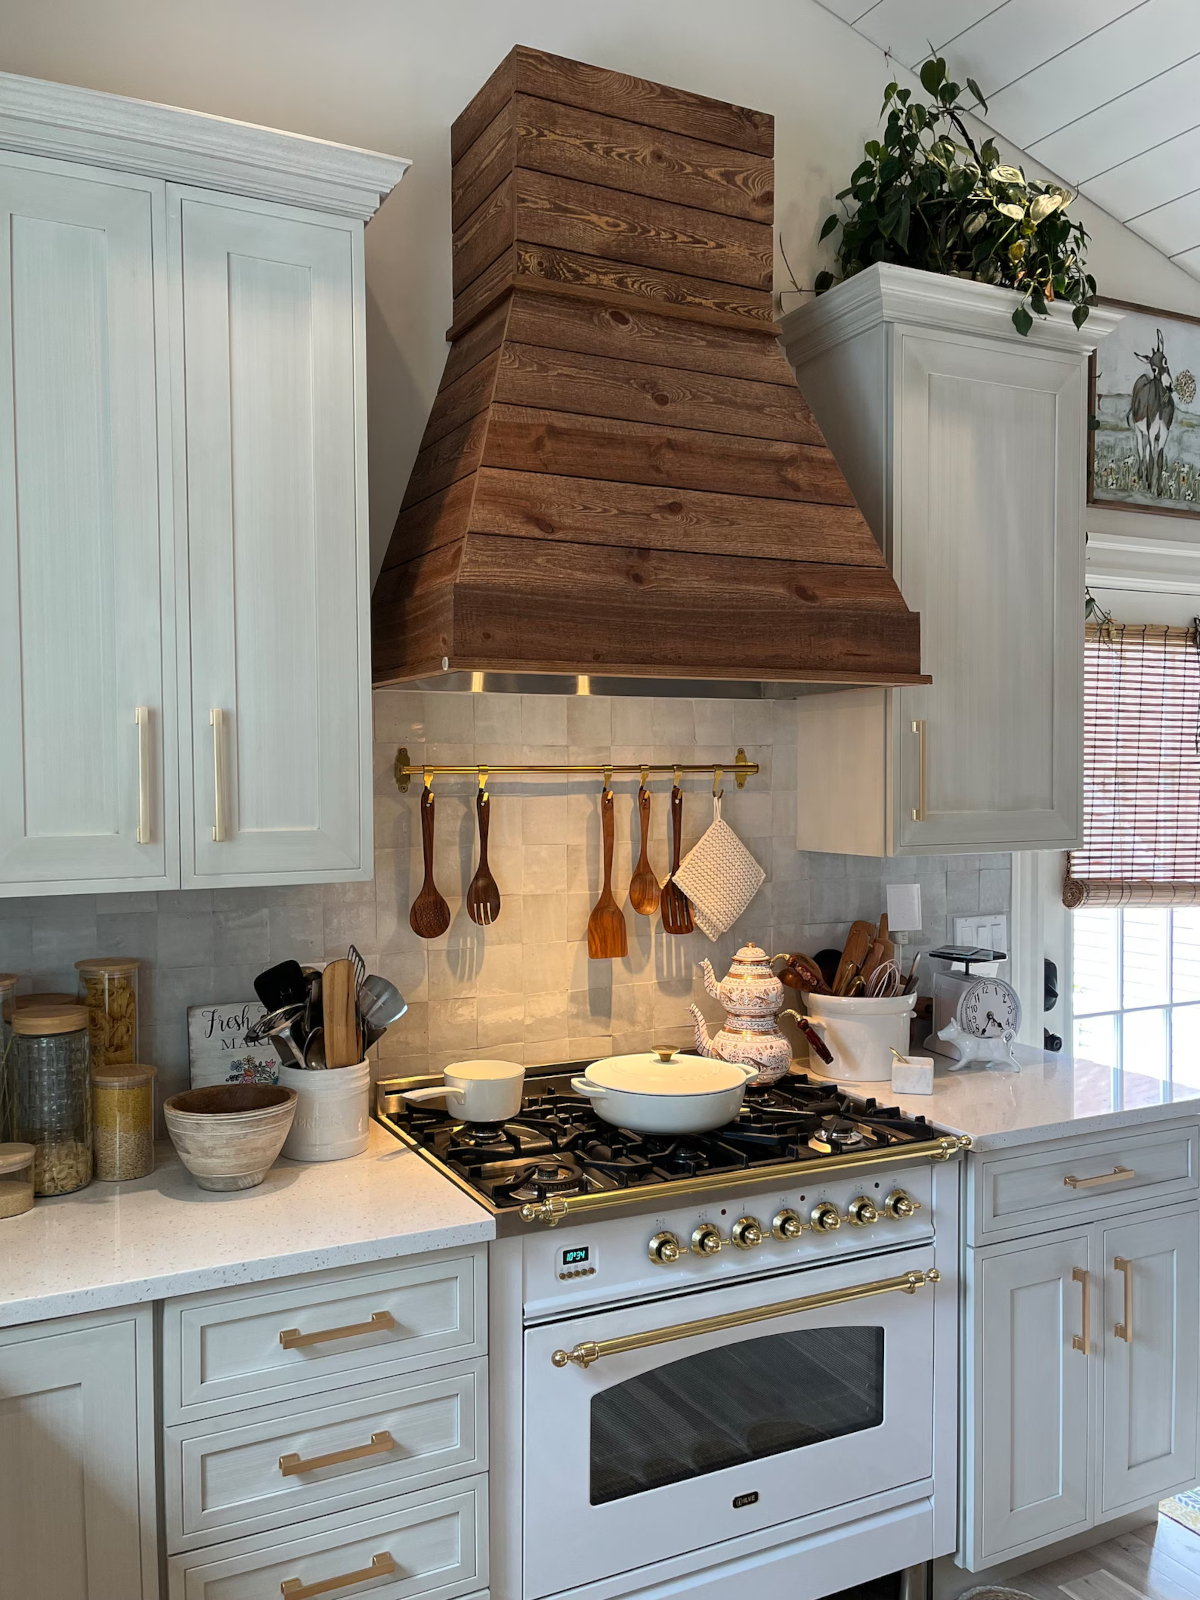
108 987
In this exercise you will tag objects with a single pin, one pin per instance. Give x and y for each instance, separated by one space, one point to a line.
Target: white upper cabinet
276 544
182 479
964 444
87 713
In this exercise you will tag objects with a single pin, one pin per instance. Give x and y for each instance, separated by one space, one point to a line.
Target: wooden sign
217 1047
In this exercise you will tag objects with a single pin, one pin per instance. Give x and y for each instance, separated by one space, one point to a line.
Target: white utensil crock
478 1091
333 1112
860 1034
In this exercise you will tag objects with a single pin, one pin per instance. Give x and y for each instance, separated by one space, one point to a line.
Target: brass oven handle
382 1566
1083 1341
381 1322
584 1354
217 717
141 719
380 1444
1117 1175
1124 1330
918 811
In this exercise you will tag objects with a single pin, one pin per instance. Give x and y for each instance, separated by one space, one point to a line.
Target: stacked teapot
752 996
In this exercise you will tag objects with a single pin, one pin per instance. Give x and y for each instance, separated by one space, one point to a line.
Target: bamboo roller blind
1141 766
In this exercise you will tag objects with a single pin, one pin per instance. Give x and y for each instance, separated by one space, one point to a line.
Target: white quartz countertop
112 1244
1052 1097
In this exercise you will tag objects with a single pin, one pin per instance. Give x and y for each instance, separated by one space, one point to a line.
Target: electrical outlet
987 932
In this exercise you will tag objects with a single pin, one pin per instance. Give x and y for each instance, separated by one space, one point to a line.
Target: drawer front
432 1543
1068 1184
274 1466
248 1347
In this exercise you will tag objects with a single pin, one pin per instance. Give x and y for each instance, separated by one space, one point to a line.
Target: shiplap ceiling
1104 93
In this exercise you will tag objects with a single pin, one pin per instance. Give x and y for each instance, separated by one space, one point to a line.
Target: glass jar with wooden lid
51 1063
108 987
16 1179
123 1121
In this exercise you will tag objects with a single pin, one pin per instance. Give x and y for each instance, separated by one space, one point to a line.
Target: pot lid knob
665 1053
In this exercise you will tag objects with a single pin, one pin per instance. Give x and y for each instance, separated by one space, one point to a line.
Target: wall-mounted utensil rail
583 1355
739 769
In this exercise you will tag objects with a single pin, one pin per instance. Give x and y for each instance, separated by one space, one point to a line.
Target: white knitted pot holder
719 876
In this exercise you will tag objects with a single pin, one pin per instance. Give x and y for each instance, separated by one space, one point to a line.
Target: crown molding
109 130
1151 566
890 294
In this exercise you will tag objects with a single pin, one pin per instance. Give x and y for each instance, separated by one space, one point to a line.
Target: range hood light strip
739 769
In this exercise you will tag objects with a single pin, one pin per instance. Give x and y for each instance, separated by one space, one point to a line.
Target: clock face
989 1008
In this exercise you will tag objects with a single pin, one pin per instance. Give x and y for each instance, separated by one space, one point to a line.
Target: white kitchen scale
976 1015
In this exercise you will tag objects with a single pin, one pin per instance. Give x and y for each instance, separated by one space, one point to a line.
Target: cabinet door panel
275 530
81 636
1150 1366
1031 1407
987 546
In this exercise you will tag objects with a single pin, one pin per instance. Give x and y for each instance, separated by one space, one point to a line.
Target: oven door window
738 1403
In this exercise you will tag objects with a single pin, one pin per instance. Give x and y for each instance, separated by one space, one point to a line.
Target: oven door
647 1452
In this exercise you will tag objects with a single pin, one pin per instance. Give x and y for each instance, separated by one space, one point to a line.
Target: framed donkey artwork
1144 432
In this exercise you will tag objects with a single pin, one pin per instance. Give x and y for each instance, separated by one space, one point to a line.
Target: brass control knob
900 1205
861 1212
665 1248
787 1224
706 1240
825 1217
746 1233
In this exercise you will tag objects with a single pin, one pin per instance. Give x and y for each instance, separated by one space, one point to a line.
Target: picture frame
218 1050
1143 450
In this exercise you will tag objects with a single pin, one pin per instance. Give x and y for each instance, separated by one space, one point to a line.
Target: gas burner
481 1134
836 1133
542 1179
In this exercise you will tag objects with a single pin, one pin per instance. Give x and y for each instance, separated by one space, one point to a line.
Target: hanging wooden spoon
430 915
607 936
644 892
676 912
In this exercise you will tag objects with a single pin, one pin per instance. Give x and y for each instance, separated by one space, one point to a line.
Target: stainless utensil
282 1027
371 1036
386 1004
359 965
314 1051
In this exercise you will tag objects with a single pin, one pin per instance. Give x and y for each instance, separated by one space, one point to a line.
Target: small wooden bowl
229 1134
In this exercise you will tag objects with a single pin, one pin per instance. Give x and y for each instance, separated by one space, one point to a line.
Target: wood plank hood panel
619 475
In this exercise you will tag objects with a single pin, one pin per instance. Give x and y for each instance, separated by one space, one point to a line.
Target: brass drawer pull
919 812
381 1322
1083 1341
381 1567
1124 1330
591 1350
1117 1175
380 1444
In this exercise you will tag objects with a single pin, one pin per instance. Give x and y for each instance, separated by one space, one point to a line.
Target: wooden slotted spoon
676 912
430 915
644 891
483 895
607 936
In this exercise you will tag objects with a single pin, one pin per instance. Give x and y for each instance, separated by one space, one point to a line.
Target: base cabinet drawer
432 1543
225 1476
227 1351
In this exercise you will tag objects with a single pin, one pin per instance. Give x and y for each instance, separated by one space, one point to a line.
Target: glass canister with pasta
108 987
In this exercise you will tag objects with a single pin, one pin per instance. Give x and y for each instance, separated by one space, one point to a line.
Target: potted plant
926 196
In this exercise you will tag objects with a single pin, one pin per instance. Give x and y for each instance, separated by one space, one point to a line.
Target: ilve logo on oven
740 1500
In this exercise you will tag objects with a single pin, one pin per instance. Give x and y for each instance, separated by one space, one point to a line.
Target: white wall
392 75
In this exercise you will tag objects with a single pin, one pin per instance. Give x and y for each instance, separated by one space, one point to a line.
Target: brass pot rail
583 1355
739 769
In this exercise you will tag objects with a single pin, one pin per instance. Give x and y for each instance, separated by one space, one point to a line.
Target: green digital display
573 1258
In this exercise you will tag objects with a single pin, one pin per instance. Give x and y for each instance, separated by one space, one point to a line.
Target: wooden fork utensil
676 912
430 915
483 895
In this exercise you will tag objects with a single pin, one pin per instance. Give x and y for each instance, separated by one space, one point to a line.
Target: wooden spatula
339 1015
607 936
430 915
676 912
644 892
854 953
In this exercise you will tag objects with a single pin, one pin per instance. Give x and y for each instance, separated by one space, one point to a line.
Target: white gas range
723 1365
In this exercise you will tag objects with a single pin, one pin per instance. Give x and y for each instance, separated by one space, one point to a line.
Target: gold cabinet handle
380 1444
382 1566
592 1350
1124 1330
1083 1341
919 727
217 717
1117 1175
141 719
381 1322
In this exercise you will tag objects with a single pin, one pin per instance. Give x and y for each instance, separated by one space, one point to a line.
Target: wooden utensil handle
483 807
644 814
607 825
427 832
676 826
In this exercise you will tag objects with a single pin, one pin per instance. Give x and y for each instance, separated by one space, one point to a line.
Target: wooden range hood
619 475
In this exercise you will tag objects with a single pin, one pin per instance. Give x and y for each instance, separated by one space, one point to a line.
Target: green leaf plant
925 196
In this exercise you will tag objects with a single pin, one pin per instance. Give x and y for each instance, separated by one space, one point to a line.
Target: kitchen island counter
115 1244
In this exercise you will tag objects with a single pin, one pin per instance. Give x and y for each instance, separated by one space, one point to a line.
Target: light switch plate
987 932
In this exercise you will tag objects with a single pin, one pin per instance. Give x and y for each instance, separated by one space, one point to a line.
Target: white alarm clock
984 1025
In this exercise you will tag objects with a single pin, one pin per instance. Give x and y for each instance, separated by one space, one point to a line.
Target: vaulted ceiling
1104 93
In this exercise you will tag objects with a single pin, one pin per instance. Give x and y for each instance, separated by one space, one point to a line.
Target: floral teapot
752 996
